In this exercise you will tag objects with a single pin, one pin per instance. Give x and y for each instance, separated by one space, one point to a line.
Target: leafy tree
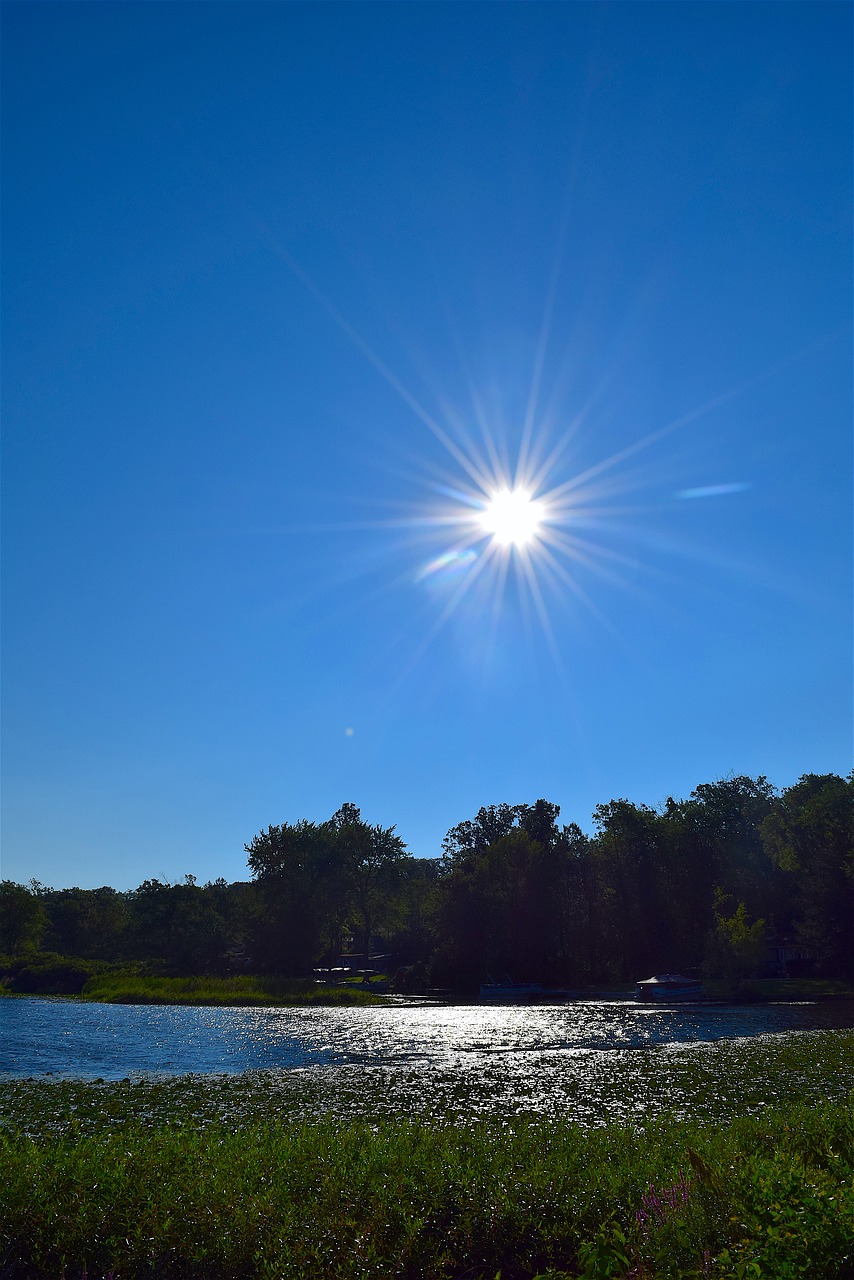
539 821
726 817
809 833
736 948
92 923
302 885
373 859
509 896
630 855
22 918
236 907
417 900
467 838
485 911
179 924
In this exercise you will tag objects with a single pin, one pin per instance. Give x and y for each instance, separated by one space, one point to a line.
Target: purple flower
658 1205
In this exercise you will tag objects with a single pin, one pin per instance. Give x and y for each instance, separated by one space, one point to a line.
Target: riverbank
767 1196
268 991
244 990
249 990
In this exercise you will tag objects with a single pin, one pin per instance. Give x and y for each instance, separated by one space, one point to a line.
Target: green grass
345 1175
763 1197
246 989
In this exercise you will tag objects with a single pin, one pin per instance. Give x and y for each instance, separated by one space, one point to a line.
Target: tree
629 851
485 911
373 858
302 893
726 817
22 918
92 923
417 899
179 924
510 896
809 833
736 948
473 837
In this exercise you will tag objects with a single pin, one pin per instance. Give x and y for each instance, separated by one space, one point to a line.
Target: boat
669 988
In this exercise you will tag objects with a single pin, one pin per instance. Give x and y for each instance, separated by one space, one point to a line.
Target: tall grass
763 1197
245 989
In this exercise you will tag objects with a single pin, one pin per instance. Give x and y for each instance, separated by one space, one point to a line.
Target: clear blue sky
290 289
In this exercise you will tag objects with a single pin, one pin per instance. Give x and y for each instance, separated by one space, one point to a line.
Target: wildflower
657 1206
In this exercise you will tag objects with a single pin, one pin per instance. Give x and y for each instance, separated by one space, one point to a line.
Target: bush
46 973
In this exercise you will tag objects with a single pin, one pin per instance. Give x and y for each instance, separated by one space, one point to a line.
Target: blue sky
291 290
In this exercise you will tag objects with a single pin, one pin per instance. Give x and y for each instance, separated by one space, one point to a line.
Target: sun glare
513 517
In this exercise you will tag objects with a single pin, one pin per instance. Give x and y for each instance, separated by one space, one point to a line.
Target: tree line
737 880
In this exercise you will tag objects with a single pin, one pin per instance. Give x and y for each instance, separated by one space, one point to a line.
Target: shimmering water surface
593 1061
114 1041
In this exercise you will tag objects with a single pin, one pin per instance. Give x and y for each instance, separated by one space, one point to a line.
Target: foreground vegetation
350 1174
766 1196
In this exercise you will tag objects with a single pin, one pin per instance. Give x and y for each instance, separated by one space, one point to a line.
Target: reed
245 989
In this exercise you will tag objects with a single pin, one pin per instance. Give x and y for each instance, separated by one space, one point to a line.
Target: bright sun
513 517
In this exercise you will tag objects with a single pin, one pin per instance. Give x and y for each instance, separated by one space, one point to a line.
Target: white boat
669 988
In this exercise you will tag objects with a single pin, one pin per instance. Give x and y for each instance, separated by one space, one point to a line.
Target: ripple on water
593 1062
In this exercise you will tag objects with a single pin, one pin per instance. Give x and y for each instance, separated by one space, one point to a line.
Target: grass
265 1176
762 1197
245 989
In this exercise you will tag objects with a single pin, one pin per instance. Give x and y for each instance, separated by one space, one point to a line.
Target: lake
112 1041
594 1060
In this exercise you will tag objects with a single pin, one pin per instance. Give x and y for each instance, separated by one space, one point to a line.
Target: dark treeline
736 881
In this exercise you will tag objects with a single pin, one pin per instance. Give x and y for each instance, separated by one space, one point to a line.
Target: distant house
788 960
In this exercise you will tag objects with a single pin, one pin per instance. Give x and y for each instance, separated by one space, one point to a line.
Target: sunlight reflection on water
113 1041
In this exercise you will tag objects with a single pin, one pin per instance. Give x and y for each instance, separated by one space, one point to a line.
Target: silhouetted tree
301 880
810 834
22 918
92 923
372 860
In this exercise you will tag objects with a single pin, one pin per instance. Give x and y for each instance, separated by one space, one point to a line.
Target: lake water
593 1061
87 1041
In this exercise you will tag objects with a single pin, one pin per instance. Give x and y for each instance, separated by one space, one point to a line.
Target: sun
513 517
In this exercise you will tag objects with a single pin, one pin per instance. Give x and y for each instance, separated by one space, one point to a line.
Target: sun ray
440 622
508 497
502 571
371 356
539 361
533 585
562 573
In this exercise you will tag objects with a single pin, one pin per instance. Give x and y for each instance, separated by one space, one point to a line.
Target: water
88 1041
592 1062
